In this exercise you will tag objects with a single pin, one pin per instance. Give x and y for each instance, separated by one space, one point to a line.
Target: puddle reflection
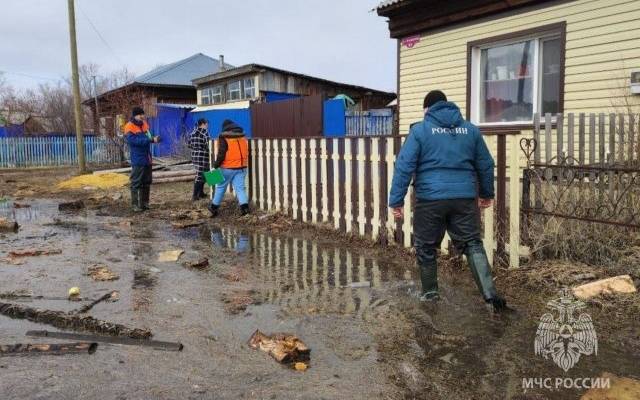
237 241
302 276
34 212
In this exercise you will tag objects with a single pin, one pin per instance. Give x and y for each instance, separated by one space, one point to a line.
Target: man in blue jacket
451 167
139 139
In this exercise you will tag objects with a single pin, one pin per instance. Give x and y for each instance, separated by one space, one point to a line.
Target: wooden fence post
276 174
361 157
514 202
389 158
335 156
285 175
375 182
313 179
268 159
294 179
324 177
304 178
347 185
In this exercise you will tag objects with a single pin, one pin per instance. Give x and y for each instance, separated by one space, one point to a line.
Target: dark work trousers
140 177
461 219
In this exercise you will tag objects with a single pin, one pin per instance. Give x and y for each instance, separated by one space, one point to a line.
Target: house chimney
222 68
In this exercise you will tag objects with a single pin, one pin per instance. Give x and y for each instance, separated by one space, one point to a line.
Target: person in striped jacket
199 145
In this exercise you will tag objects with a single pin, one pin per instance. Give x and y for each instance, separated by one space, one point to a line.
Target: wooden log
175 179
283 347
186 224
87 307
61 320
171 174
156 344
7 225
50 349
71 205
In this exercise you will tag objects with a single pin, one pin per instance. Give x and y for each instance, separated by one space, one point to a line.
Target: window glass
216 95
550 76
506 83
233 91
205 97
249 89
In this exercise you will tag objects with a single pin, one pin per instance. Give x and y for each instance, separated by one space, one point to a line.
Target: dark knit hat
137 111
433 97
230 126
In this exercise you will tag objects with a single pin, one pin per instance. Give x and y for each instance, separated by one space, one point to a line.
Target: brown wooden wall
300 117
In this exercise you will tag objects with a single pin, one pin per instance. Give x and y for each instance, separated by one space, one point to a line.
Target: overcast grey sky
340 40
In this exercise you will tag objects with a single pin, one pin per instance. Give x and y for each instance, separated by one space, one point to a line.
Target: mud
369 341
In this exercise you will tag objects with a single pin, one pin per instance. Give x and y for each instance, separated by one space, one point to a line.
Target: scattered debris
198 389
448 358
100 272
237 301
300 366
156 344
74 293
198 264
359 284
111 297
33 252
62 320
170 255
619 389
236 274
283 347
51 349
12 261
102 181
21 205
71 205
7 225
155 270
187 224
615 285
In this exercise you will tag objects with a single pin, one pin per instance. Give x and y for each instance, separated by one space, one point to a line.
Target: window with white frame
217 95
234 91
511 80
249 90
205 96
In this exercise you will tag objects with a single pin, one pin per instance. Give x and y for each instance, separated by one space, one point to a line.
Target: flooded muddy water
370 336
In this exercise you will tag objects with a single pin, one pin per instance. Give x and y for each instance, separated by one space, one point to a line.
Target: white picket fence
345 182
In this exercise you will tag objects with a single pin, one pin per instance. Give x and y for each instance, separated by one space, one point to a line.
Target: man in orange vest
139 139
232 159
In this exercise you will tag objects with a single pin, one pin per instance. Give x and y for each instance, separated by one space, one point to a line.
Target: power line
99 34
30 76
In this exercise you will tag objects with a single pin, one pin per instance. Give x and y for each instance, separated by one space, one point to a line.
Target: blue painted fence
369 123
25 152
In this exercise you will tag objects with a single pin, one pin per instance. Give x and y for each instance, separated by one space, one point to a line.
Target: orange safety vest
130 127
237 155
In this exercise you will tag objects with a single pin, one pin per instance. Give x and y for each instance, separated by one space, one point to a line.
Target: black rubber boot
429 281
481 270
213 209
135 200
196 192
201 193
428 267
144 197
244 209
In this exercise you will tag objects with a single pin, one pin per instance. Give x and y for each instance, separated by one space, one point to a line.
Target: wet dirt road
370 337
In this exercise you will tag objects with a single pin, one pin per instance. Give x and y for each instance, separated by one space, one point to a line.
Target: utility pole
76 87
95 98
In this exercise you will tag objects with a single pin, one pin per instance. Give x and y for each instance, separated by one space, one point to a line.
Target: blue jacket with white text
447 158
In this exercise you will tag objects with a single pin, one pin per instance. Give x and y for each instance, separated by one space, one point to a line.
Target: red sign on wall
410 41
